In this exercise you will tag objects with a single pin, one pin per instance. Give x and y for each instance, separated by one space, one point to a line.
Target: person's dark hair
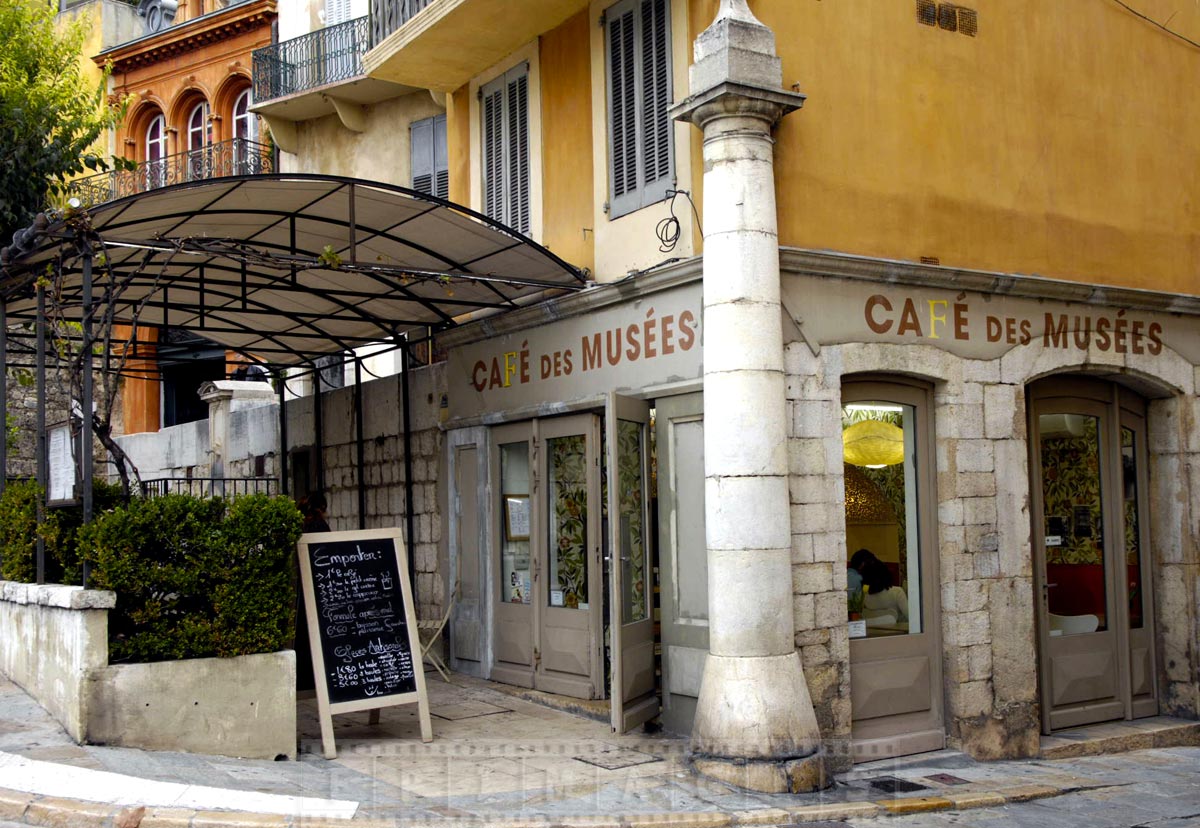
877 577
861 558
315 502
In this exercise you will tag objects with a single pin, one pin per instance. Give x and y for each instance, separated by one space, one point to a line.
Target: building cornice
890 271
827 265
190 36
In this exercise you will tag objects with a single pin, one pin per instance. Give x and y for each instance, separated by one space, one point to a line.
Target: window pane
567 483
517 583
883 565
1133 526
1074 527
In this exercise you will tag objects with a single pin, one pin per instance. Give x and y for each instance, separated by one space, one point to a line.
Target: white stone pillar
754 725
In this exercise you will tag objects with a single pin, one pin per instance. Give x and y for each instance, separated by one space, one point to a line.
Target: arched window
199 137
245 123
156 152
245 134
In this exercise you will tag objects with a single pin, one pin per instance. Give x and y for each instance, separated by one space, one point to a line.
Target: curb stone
54 812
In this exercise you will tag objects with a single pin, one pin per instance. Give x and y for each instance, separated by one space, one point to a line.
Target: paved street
1155 795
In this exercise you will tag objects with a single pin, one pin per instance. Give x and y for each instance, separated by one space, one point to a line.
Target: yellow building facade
987 247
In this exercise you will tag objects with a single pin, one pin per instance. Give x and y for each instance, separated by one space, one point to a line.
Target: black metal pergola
283 269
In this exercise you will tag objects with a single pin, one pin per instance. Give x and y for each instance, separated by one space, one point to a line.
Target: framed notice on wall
61 468
361 626
516 517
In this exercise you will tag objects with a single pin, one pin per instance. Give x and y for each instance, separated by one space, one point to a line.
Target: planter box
51 639
244 706
54 645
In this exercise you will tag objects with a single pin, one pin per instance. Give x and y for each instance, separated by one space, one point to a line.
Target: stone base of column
786 776
755 726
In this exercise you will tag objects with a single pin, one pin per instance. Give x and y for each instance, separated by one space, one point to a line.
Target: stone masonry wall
984 554
383 454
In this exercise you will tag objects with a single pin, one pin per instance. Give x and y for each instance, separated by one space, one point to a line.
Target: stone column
754 725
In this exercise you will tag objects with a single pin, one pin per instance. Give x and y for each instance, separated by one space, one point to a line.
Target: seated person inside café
854 570
883 597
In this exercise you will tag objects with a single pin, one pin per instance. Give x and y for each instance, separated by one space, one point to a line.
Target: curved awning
287 268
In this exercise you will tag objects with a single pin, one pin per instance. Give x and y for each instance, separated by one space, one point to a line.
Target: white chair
885 620
430 630
1073 624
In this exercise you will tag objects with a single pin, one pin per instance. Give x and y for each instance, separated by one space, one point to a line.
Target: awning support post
409 518
4 394
318 429
86 445
40 426
283 435
358 439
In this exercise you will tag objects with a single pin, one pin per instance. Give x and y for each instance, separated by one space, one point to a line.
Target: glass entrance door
1087 450
548 591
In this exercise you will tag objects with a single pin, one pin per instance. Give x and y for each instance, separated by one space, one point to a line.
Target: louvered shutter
421 141
656 168
493 149
638 50
505 105
441 159
336 11
518 146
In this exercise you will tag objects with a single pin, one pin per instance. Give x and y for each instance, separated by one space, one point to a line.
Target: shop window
638 51
430 159
516 585
506 172
883 533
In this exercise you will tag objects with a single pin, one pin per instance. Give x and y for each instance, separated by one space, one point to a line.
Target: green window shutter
657 167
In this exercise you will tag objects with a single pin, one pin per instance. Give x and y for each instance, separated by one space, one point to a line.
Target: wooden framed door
682 555
1091 562
514 623
568 586
891 546
633 693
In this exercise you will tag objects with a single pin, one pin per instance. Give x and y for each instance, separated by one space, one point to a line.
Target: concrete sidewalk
498 759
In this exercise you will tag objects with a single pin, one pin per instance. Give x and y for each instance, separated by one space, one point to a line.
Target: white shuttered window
505 106
641 155
430 160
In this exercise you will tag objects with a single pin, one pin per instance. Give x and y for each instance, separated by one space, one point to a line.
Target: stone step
1116 737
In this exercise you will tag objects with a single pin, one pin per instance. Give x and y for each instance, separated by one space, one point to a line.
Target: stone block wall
983 533
384 471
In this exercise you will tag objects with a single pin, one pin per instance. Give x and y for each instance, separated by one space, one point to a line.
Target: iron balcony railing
326 56
209 486
238 156
389 15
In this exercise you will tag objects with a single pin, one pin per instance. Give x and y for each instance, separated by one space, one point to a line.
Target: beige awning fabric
291 267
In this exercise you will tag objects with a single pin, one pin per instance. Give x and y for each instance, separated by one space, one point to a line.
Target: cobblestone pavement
496 755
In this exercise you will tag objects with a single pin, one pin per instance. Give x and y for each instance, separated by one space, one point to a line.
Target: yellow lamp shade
873 443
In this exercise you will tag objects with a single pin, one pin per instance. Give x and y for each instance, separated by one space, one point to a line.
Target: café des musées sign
629 347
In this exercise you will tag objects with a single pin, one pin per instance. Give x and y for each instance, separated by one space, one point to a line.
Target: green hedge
196 577
18 532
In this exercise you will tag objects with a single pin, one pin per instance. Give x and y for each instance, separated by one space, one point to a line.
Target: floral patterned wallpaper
568 527
1071 496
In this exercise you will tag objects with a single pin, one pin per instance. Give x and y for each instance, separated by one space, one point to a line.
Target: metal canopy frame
283 269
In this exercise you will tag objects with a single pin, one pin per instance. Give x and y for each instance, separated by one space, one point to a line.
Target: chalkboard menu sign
361 624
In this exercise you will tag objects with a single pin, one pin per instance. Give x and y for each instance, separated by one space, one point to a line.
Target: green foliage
50 114
18 532
196 577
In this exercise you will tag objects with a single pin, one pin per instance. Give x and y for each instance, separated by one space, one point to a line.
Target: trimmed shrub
195 577
60 527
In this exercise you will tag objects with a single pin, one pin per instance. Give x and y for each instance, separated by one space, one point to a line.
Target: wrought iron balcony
237 156
389 15
329 55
